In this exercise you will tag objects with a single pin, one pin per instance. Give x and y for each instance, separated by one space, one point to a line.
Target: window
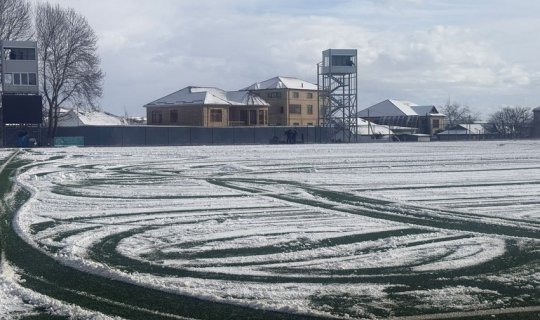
310 95
8 55
252 117
310 123
174 116
436 123
295 109
296 124
296 95
216 115
244 116
342 61
262 116
274 94
282 110
309 109
20 54
21 79
8 78
157 117
32 79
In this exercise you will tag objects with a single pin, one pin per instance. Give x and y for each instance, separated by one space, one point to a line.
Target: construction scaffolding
338 85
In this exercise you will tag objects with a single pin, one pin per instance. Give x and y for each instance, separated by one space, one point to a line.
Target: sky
481 53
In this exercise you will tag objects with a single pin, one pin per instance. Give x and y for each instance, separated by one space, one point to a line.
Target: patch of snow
251 211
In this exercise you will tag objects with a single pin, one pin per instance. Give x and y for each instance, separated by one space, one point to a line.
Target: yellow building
208 107
293 102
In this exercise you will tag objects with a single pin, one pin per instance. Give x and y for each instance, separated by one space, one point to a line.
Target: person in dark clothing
289 134
23 140
293 136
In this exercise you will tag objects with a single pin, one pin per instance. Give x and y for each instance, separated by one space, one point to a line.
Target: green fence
173 136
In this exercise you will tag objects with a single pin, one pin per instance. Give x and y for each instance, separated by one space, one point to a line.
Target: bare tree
513 122
15 20
457 114
69 67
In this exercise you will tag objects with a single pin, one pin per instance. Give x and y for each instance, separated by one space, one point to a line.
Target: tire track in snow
383 209
330 203
43 274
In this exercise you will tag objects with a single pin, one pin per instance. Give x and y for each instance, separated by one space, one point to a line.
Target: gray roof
423 110
397 108
282 83
208 96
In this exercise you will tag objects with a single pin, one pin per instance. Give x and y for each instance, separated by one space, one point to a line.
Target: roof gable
208 96
246 98
282 83
73 117
423 110
183 96
389 108
392 108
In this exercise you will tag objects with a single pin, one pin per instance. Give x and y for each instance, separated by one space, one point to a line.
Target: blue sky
480 53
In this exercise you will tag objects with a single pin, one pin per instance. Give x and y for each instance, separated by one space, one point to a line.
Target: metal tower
337 82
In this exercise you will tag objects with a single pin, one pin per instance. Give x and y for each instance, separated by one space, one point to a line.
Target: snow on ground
4 153
342 230
19 302
11 302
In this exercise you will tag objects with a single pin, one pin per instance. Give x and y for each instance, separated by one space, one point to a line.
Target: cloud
415 50
446 55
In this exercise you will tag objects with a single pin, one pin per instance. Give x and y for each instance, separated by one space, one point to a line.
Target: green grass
43 274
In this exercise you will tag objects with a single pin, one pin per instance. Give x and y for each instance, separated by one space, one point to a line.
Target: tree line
69 66
510 122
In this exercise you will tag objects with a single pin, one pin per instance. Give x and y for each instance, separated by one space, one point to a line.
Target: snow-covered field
361 231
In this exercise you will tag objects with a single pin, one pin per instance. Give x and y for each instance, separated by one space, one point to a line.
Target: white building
76 118
395 113
469 128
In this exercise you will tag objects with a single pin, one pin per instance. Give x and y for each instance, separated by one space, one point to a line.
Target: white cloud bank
413 50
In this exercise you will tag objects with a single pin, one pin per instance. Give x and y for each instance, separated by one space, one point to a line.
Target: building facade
19 66
208 107
292 102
